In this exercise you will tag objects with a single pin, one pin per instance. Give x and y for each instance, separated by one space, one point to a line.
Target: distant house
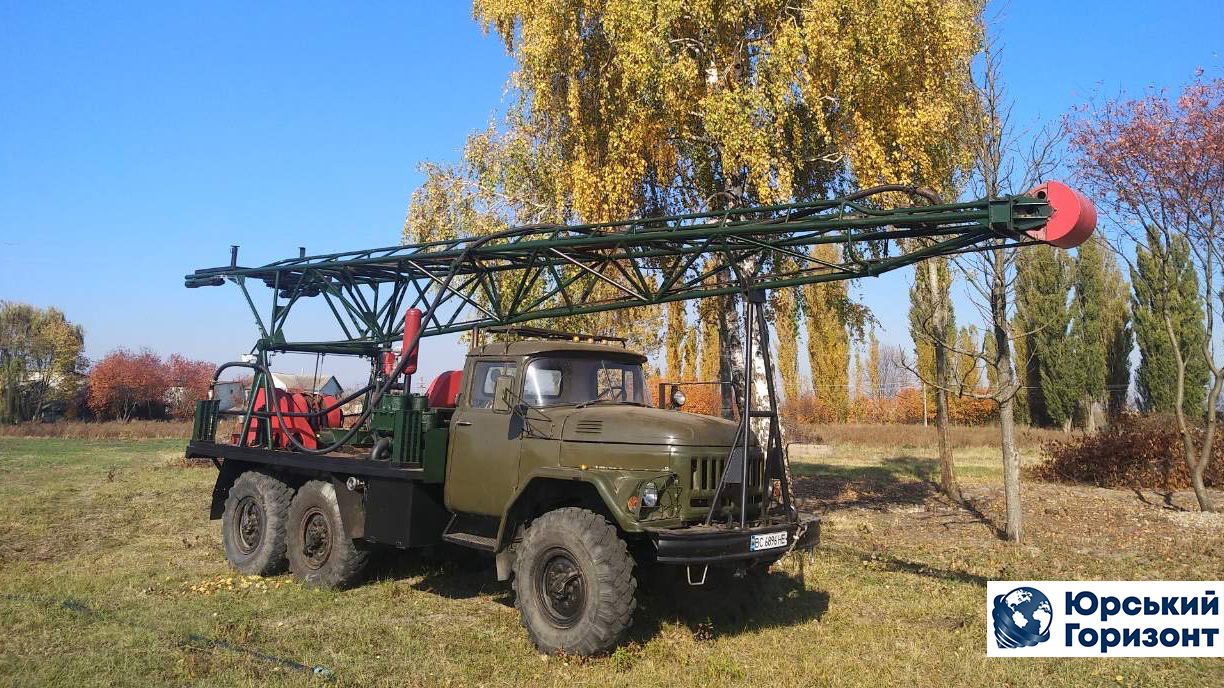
307 383
234 394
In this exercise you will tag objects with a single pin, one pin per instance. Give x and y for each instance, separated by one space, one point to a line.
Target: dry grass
877 435
882 435
106 430
111 574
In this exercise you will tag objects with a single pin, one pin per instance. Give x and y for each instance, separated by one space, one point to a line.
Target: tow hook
688 571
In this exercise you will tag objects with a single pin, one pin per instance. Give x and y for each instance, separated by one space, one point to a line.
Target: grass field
111 574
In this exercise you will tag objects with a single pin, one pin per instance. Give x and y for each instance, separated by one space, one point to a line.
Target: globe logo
1022 618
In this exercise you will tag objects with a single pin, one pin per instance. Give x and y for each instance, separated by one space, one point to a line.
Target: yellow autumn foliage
630 108
681 98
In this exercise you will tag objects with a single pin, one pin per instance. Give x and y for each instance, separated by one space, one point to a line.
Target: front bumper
720 545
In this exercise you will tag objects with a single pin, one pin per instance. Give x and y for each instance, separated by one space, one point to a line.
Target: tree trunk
1090 425
730 353
1189 446
1005 397
1011 468
947 468
1200 491
760 390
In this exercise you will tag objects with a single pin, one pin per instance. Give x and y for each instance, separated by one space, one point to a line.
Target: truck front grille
706 471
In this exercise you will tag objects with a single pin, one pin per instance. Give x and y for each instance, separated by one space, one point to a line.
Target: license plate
768 540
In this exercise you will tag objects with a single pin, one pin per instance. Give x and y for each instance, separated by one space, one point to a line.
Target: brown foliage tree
1158 164
188 381
124 385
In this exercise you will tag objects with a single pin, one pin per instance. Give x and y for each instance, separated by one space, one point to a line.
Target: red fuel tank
412 325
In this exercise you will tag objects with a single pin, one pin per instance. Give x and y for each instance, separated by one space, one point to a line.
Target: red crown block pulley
1073 218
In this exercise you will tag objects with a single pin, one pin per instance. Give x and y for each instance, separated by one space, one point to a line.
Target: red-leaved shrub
1132 452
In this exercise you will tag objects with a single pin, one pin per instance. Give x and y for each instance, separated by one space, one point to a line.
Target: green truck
544 454
544 451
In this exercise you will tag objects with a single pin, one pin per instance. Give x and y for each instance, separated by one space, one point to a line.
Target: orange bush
124 385
189 381
703 399
1134 451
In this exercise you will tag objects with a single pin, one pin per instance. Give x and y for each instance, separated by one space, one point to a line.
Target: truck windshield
583 380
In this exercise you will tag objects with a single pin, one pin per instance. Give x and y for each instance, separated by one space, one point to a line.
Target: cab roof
530 347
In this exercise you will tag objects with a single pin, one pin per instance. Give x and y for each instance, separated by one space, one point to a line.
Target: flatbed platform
354 464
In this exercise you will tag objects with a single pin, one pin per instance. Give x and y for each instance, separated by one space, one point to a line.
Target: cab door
482 461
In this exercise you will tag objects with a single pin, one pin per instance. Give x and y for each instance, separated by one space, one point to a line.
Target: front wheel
573 583
320 554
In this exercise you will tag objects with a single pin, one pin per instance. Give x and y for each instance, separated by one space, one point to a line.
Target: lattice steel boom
529 273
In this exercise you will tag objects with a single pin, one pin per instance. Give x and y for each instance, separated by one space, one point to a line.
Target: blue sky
139 140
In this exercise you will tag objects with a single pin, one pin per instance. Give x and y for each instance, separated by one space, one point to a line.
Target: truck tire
573 583
320 554
253 524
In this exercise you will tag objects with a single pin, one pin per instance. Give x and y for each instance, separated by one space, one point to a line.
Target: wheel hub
316 538
249 526
561 588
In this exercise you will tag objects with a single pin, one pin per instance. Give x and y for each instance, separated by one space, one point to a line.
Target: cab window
558 381
484 381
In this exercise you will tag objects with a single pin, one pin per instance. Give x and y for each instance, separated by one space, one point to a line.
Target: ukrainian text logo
1113 618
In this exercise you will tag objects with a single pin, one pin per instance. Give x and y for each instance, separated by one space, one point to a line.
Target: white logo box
1142 619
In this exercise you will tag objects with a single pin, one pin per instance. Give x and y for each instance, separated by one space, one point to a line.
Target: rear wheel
320 554
253 524
573 583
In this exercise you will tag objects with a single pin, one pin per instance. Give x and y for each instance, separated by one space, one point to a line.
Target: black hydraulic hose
379 447
920 191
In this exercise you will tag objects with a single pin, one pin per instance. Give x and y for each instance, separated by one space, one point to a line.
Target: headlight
678 398
650 495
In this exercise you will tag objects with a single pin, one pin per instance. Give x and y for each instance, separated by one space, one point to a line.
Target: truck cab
543 421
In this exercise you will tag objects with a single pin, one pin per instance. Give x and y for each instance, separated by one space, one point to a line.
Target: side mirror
501 394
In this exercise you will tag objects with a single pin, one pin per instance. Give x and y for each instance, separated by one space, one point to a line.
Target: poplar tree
968 375
1119 338
933 329
677 327
1163 279
1044 278
785 306
874 389
826 310
1087 332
